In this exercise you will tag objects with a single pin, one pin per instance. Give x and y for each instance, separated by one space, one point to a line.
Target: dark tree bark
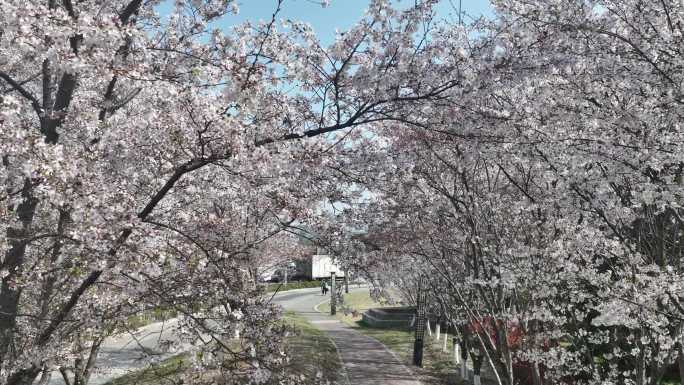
14 260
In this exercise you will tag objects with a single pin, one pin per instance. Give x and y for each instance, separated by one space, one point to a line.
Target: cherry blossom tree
529 165
134 147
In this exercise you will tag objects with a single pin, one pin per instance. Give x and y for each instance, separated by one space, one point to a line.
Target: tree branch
94 275
24 92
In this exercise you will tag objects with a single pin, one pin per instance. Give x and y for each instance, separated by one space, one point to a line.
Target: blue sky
340 14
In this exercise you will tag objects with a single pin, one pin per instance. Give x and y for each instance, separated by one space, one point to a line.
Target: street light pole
420 327
333 309
346 281
478 357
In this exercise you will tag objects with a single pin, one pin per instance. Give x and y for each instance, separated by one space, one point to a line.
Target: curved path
366 361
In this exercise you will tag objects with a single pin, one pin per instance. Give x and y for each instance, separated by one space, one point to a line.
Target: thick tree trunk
502 362
680 362
51 115
14 260
48 286
640 368
84 367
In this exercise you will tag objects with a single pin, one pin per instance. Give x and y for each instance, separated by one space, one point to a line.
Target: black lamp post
420 327
333 309
346 281
478 357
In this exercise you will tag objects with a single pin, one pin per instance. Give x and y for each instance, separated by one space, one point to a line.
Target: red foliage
522 370
489 326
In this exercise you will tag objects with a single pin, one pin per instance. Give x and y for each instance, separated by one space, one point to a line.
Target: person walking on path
324 287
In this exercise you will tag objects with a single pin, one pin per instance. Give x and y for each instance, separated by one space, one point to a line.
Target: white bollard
464 370
476 380
446 340
438 329
427 327
457 354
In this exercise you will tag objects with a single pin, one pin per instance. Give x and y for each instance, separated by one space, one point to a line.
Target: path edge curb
337 349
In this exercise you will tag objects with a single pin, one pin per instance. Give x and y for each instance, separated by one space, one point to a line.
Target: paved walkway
366 361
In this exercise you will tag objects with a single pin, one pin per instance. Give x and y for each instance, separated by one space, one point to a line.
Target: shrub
271 287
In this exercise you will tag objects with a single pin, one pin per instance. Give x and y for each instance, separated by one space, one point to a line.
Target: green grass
164 372
670 379
312 351
358 301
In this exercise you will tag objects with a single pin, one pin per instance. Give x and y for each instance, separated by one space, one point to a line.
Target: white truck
322 265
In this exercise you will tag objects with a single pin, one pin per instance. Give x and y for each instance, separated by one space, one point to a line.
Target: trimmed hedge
271 287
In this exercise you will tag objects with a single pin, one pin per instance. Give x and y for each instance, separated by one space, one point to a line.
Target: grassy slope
313 352
357 300
165 372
